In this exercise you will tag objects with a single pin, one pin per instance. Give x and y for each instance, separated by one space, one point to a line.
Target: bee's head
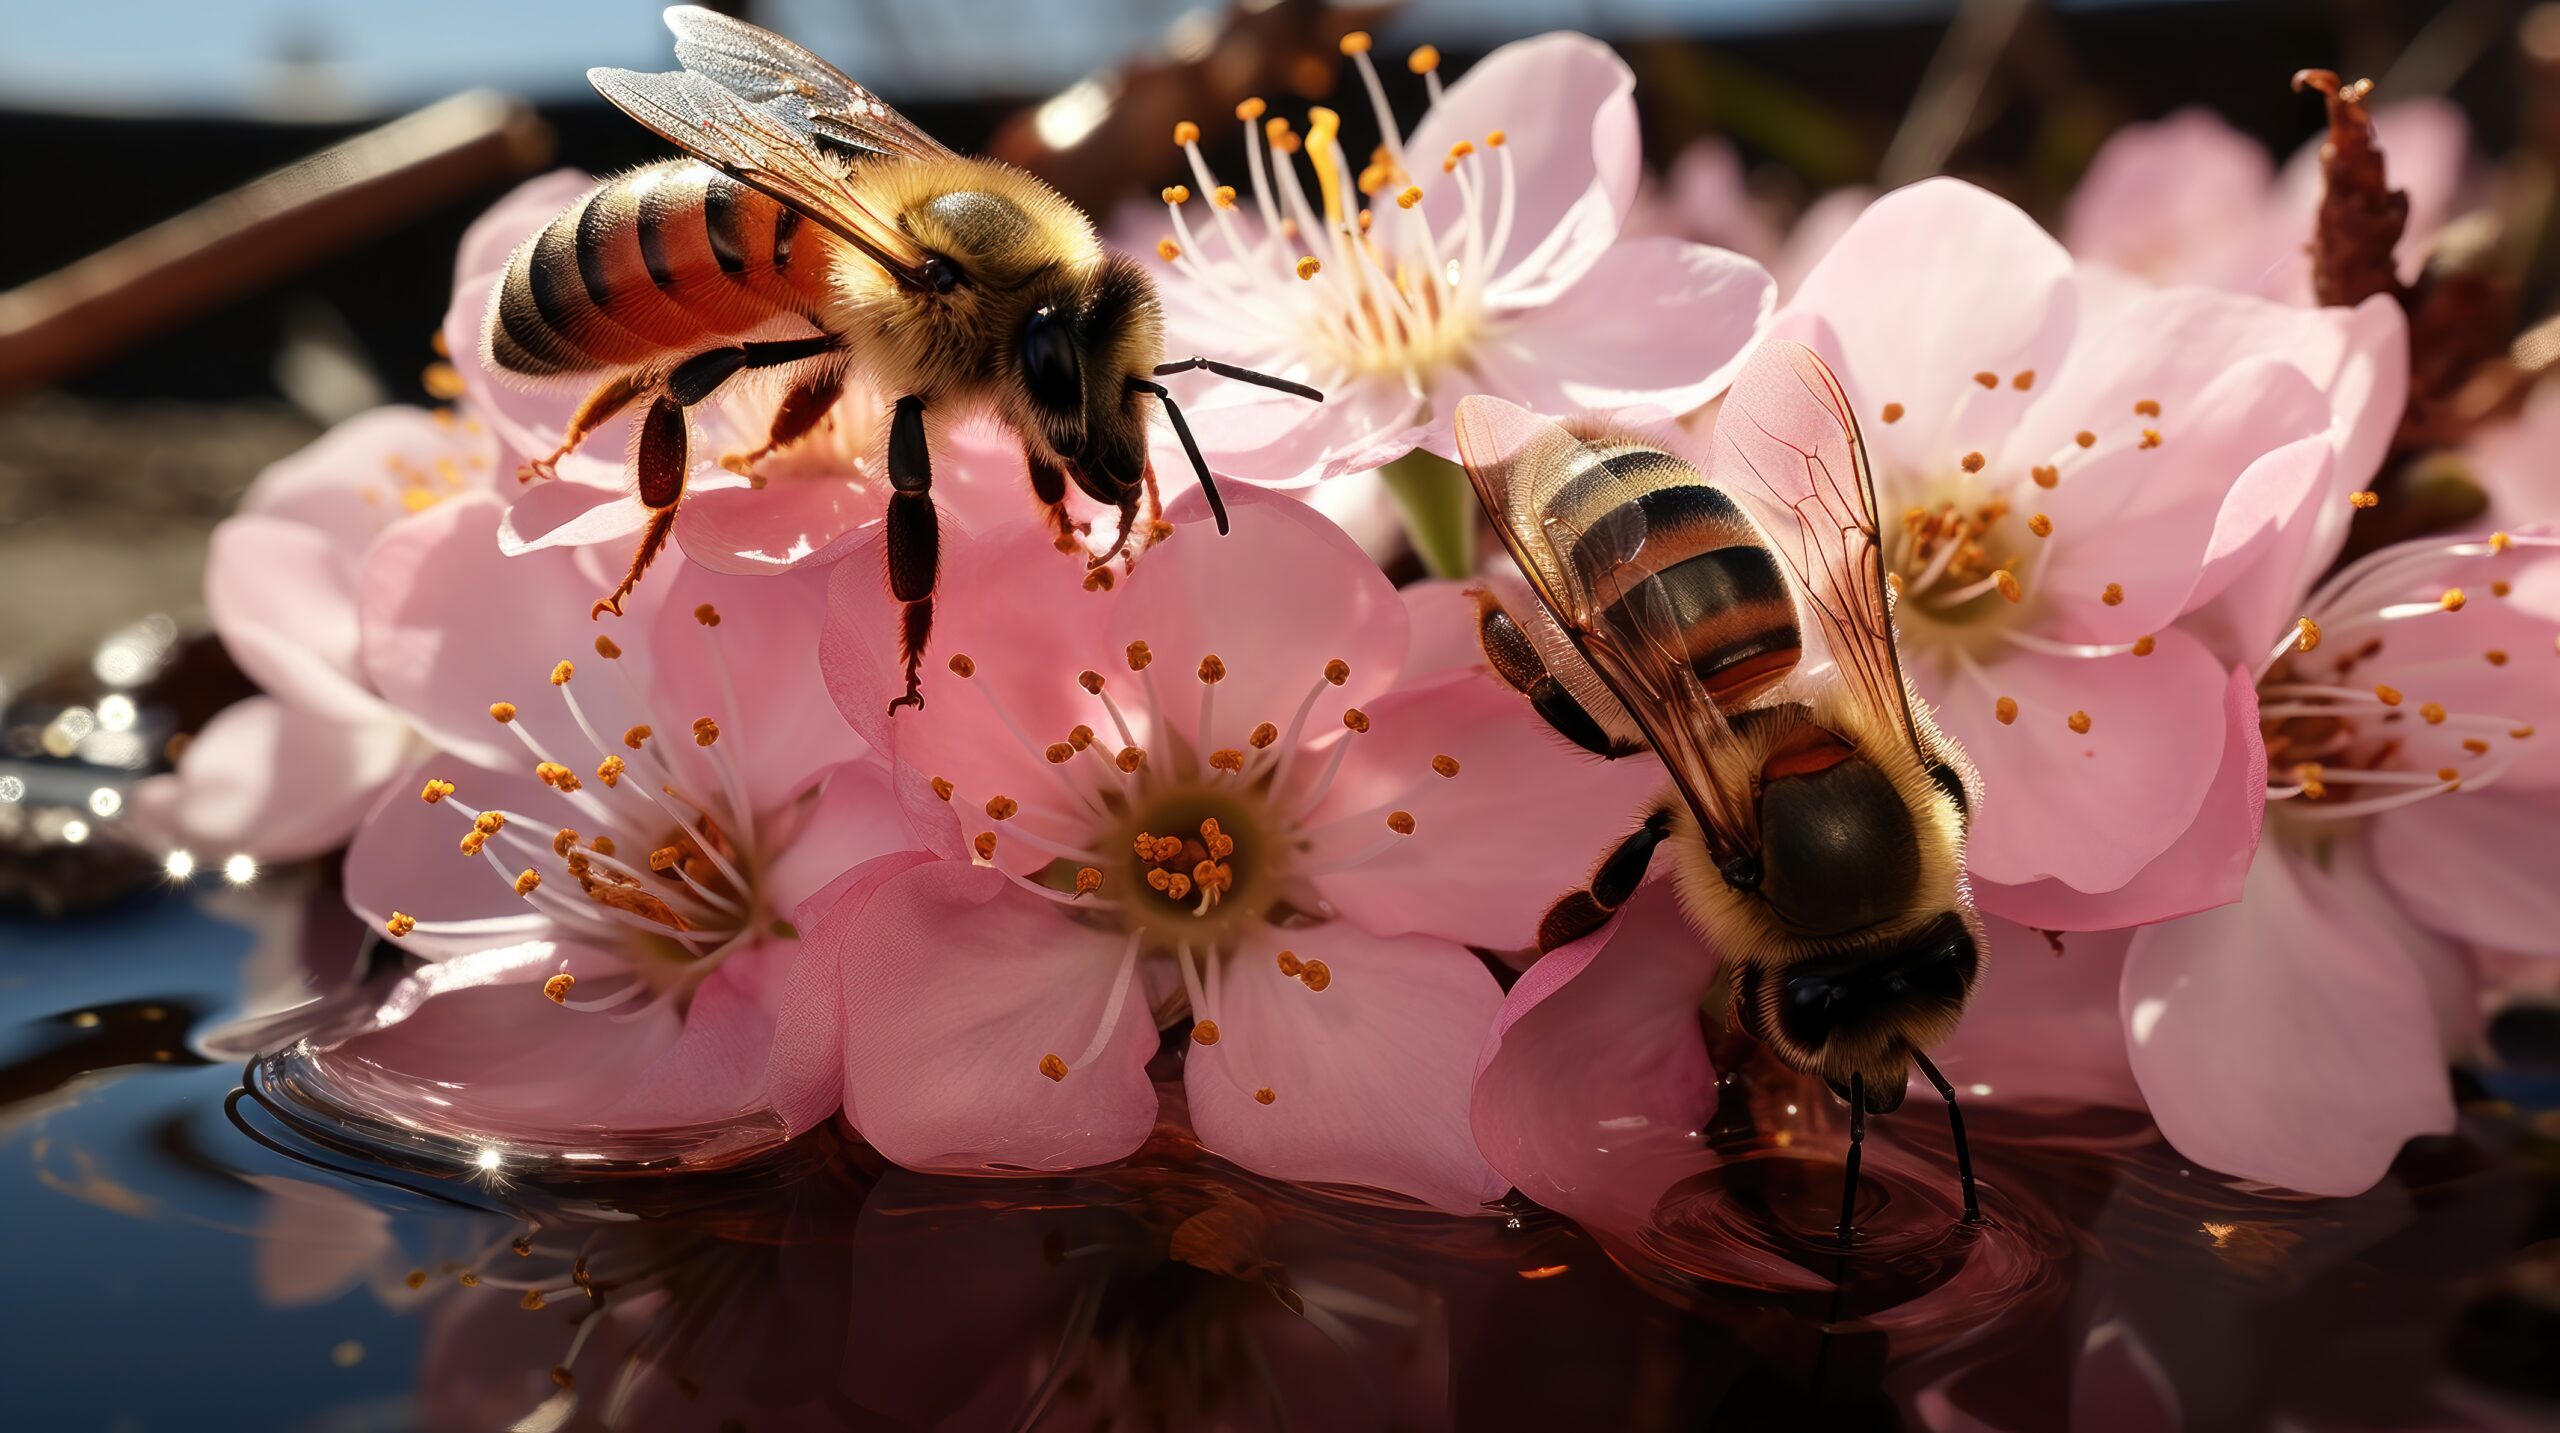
1863 1011
1077 358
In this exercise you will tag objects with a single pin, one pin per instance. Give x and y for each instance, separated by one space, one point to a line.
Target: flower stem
1439 509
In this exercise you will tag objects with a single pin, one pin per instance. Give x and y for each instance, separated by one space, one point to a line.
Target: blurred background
233 221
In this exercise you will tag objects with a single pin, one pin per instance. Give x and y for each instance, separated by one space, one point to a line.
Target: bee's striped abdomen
1673 554
650 265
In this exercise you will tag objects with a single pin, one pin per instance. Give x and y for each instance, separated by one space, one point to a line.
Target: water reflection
283 1281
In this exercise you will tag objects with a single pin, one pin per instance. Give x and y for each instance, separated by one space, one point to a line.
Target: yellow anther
1053 1067
2150 439
1002 808
2447 773
2006 709
2389 695
1167 847
2452 599
2306 634
1264 1095
1205 1033
1263 735
1355 718
606 648
1186 134
473 841
942 788
1337 671
707 615
442 381
2078 722
1139 656
526 880
1309 266
2040 525
489 823
1226 758
2025 380
2500 542
2308 777
557 777
2497 656
636 737
532 1300
2085 438
609 771
2520 732
1497 138
2433 712
400 924
1250 109
2364 498
1892 413
1088 880
1972 462
1290 965
502 712
961 666
1445 765
2007 582
1409 196
2475 746
467 1279
1315 975
2144 646
1176 885
1356 43
556 989
705 731
1423 60
1081 737
664 859
1400 822
563 842
1987 379
1212 671
602 845
1090 680
561 674
436 790
985 845
1224 196
2113 596
1059 753
1168 251
1098 580
1130 758
1175 194
2045 474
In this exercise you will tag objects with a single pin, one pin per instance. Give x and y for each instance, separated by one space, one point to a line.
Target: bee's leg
1157 528
809 400
1049 485
1581 912
1515 659
610 397
1955 1126
1119 539
1857 1147
662 460
914 540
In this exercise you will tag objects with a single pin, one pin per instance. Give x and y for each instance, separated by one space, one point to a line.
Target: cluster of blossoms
1250 811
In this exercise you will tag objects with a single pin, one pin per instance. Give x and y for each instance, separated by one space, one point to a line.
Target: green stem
1439 509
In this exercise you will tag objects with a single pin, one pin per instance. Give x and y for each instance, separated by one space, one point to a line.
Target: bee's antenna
1190 446
1241 375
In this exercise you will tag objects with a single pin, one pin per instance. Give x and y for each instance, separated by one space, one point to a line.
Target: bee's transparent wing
804 91
1629 641
1787 441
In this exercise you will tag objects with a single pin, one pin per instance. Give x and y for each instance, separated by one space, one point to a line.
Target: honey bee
815 234
1816 817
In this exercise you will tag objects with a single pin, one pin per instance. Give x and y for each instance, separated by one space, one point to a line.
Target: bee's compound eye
1742 873
940 274
1049 362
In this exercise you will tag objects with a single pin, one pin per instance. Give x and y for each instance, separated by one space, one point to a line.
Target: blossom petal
1657 321
273 781
1589 1093
755 672
2202 869
755 531
2157 729
282 596
956 985
1369 1076
2283 1039
2476 865
805 1075
406 857
2042 1029
1466 874
715 1069
565 514
2176 200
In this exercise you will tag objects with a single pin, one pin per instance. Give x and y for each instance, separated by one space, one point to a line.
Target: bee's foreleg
1515 659
1857 1148
1120 538
1049 485
1955 1126
610 397
800 410
914 540
661 459
1581 912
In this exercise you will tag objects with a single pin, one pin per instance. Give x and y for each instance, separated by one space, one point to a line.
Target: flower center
2341 745
660 871
1403 297
1956 559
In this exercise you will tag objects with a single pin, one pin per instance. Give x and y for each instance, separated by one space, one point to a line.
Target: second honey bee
815 234
1816 817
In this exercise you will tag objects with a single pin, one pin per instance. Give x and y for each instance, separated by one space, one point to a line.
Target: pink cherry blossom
621 823
287 774
2299 1037
1705 196
2190 200
1327 830
786 511
2067 463
2511 459
1489 260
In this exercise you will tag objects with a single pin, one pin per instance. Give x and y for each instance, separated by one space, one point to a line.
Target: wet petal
1657 321
755 672
2476 865
273 781
2042 1029
282 596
